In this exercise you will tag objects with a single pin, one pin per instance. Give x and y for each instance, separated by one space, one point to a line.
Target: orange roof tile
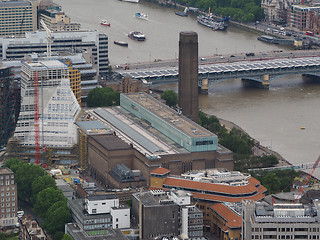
216 198
233 220
212 187
160 170
224 228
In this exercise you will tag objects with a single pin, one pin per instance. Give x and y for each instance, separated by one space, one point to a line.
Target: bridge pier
312 78
263 82
203 89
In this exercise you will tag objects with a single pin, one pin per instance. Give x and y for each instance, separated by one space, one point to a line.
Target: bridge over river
254 71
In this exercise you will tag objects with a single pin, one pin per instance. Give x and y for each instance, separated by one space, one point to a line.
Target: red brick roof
212 187
160 171
233 220
257 193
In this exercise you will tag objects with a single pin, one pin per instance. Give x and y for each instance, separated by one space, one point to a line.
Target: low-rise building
280 221
31 230
99 212
209 187
226 220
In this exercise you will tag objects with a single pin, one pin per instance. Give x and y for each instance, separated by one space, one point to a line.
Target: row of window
7 182
8 199
7 210
285 237
8 188
286 229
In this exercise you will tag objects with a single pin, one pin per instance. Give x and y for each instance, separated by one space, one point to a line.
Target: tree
46 198
171 97
25 176
67 237
103 97
41 183
57 216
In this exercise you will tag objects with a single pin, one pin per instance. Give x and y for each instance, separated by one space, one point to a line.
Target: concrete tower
188 75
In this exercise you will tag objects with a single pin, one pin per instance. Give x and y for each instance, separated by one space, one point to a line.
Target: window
94 210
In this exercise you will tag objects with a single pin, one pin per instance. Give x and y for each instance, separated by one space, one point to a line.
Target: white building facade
57 106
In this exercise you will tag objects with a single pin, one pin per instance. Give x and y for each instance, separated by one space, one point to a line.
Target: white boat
141 16
138 36
105 23
131 1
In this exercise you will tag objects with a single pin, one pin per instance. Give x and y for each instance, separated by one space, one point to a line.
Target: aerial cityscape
159 119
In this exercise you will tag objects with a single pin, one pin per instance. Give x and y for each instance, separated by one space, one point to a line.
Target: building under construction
9 104
48 111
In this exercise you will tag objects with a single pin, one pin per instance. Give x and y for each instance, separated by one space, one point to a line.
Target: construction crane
305 182
36 118
49 37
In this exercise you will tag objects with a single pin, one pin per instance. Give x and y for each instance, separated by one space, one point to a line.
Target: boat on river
209 22
104 23
141 16
138 36
120 43
184 13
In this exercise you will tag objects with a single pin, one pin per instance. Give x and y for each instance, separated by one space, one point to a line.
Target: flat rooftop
169 115
154 198
132 130
221 176
93 127
46 64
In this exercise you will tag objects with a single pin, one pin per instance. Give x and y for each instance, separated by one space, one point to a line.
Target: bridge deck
218 71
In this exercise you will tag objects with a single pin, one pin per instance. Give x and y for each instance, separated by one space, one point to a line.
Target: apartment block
9 198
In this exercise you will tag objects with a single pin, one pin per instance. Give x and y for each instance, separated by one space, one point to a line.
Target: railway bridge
258 72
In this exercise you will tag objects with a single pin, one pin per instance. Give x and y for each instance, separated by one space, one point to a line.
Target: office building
9 198
99 213
298 16
17 17
172 212
91 43
58 108
188 75
9 104
55 19
280 221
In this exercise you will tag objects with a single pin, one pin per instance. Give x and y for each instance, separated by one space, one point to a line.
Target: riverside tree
103 97
171 97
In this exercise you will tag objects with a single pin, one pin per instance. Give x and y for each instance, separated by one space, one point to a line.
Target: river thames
274 117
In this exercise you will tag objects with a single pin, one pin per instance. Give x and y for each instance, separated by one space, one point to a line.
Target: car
20 214
232 56
249 54
264 53
221 57
203 59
